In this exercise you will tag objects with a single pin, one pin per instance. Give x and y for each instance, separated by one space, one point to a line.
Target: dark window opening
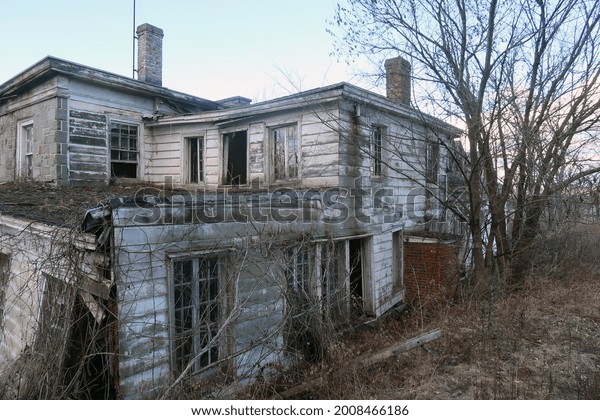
432 163
376 144
235 160
397 260
303 330
356 276
91 366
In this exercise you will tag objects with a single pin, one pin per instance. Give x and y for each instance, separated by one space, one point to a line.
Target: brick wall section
150 54
430 273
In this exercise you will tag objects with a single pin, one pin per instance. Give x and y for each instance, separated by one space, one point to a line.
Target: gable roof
51 66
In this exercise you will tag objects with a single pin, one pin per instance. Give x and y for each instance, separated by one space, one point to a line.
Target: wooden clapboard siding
255 297
88 150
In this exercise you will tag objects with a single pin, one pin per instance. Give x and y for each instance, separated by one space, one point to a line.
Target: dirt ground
541 341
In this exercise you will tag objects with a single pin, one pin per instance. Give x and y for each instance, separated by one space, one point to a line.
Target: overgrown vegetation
522 80
538 341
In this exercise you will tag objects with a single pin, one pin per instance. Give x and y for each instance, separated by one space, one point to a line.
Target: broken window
53 331
196 312
55 315
432 161
286 150
195 159
376 145
25 152
235 159
123 150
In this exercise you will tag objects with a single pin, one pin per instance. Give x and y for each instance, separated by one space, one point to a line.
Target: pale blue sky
213 49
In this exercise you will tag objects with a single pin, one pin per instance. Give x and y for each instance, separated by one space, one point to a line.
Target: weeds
538 342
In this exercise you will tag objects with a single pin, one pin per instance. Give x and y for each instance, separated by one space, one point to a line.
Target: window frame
119 124
331 280
226 136
24 168
188 172
432 161
181 356
398 261
302 288
287 177
378 134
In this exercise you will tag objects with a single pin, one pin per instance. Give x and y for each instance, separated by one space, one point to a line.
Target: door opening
235 159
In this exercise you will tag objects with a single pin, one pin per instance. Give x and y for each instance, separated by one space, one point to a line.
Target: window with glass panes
432 161
286 152
376 144
123 150
196 312
298 272
25 150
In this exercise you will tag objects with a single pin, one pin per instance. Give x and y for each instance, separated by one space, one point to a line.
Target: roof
315 96
50 66
67 206
59 206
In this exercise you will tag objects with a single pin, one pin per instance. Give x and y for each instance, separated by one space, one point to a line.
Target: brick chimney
397 77
150 54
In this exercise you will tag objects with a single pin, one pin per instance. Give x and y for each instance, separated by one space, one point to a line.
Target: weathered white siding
319 149
252 297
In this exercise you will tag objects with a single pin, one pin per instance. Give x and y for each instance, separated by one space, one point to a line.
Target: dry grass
539 342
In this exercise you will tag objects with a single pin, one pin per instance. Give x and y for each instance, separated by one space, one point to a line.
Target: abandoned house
148 236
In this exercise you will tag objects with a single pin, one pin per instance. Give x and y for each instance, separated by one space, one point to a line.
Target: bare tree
521 77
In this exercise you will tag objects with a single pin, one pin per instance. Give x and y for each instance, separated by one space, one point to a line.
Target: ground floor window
196 313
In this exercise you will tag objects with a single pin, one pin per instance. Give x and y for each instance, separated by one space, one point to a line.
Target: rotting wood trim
81 240
94 307
396 349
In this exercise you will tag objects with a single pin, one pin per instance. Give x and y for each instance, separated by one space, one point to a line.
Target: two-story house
252 231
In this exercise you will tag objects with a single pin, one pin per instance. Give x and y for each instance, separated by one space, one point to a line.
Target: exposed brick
430 272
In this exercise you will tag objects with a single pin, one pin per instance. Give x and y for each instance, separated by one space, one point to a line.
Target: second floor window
123 150
195 156
432 163
25 150
376 145
286 151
